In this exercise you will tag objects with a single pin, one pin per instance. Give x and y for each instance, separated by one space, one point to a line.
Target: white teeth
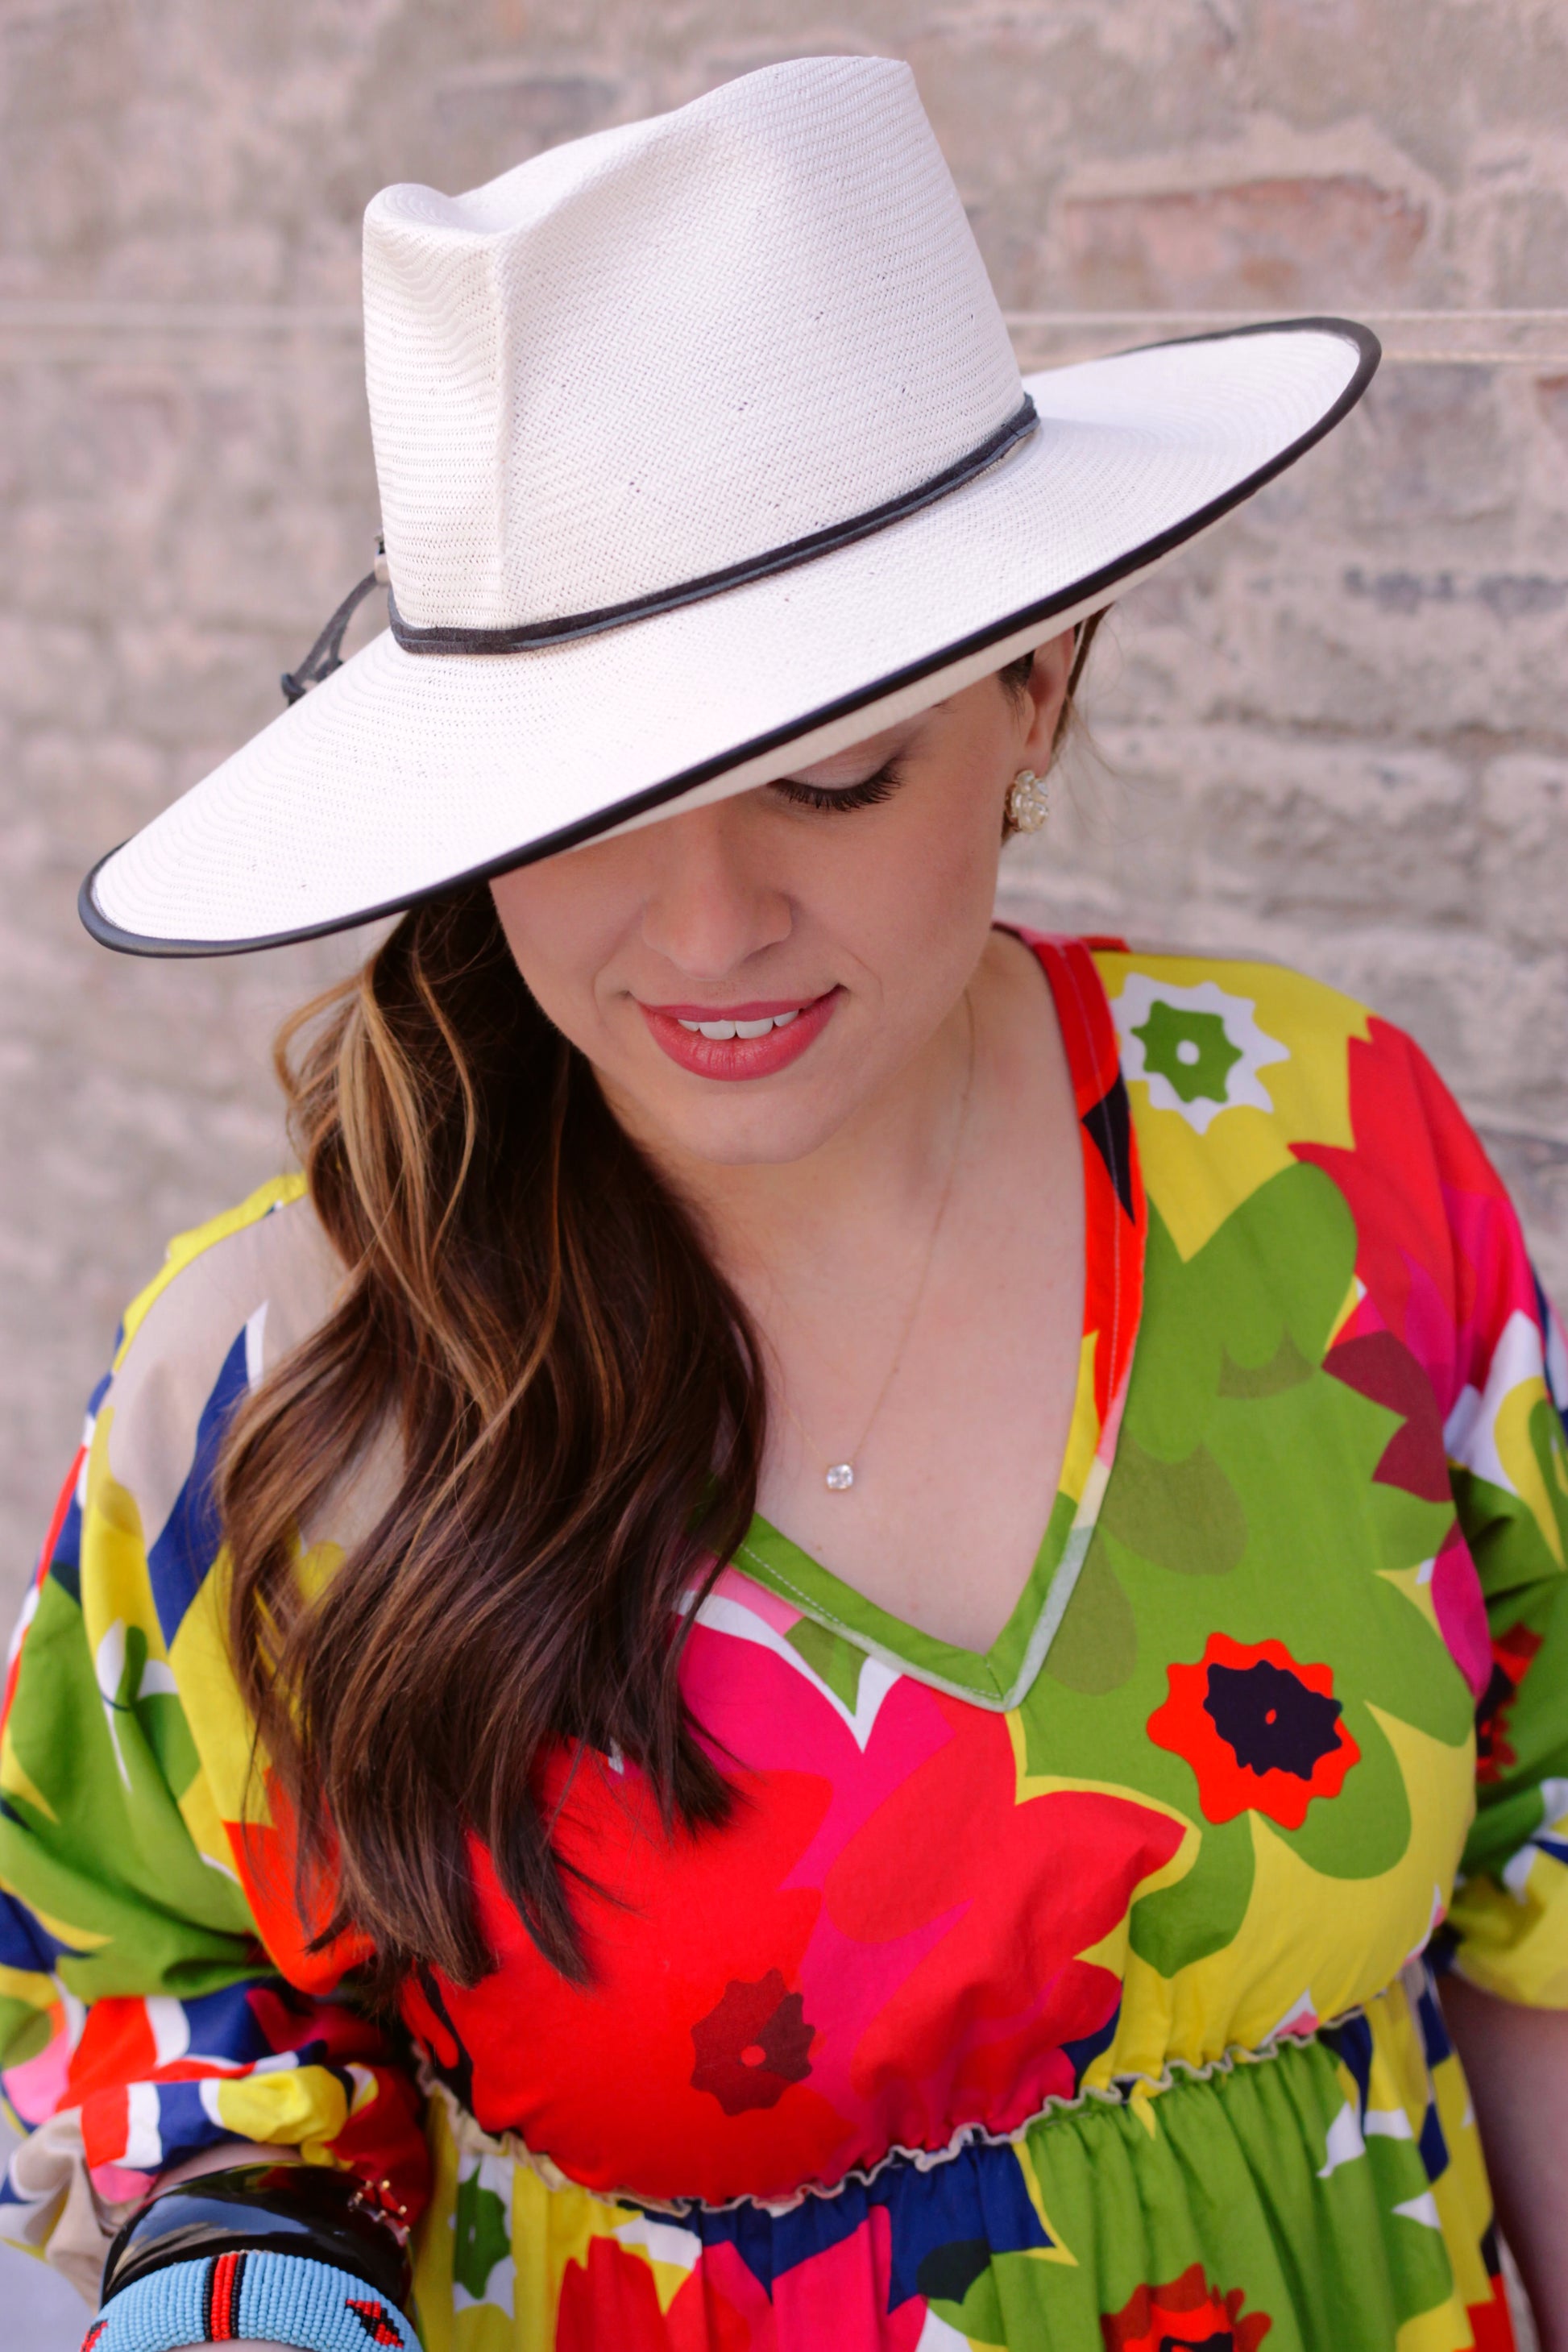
721 1031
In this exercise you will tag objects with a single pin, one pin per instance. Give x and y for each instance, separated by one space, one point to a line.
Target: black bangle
276 2209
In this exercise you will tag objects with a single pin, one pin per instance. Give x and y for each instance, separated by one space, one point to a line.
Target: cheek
562 928
911 916
936 885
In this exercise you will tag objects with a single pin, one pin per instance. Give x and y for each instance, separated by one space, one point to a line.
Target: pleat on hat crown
673 345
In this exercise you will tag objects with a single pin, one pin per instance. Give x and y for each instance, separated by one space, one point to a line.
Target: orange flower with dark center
1186 2313
1262 1732
753 2045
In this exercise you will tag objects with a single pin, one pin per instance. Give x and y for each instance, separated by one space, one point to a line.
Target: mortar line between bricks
66 308
75 321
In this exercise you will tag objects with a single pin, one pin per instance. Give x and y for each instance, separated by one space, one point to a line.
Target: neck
869 1183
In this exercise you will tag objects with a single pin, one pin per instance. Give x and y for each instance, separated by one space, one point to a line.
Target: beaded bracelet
222 2298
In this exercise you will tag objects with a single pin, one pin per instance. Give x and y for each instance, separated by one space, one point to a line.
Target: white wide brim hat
702 454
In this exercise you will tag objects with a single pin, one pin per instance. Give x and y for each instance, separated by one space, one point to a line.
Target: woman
445 1809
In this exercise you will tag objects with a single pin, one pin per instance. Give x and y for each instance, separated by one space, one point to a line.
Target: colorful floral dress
1079 1995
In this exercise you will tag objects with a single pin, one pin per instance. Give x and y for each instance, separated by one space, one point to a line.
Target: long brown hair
573 1401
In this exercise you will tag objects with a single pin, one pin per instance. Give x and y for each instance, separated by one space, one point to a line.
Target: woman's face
831 921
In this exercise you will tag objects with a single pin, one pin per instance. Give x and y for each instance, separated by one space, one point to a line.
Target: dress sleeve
1507 1456
145 2014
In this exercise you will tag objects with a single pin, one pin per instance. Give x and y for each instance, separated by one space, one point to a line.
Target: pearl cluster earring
1028 802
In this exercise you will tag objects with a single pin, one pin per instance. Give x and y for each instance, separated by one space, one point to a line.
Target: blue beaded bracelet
279 2298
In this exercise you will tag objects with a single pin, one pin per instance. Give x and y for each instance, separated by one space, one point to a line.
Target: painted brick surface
1334 732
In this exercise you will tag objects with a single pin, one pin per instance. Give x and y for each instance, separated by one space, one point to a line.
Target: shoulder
1198 1032
232 1298
1240 1070
261 1273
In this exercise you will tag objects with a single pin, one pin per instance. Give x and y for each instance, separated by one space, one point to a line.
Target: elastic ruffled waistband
470 2138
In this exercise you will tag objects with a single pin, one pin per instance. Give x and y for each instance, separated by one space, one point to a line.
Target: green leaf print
1202 1913
24 2030
1244 1499
1189 1049
1185 1514
109 1850
1549 1447
168 1735
978 2317
1096 1647
1259 1297
1286 1369
481 2230
835 1660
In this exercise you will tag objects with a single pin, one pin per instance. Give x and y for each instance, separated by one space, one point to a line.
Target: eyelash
880 787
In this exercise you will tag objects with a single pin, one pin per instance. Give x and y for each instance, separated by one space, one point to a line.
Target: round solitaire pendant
840 1475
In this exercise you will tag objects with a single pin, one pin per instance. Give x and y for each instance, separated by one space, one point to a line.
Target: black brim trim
1096 587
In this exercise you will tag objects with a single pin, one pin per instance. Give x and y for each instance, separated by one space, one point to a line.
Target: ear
1046 690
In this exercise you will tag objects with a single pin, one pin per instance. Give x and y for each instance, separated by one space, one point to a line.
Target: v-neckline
1115 1224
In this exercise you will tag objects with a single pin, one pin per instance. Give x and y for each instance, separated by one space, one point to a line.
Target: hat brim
405 774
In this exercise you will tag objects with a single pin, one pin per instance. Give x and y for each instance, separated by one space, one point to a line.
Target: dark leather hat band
528 636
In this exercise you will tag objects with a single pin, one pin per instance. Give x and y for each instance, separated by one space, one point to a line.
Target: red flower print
1263 1733
609 2298
1185 2311
1511 1655
669 1920
1004 1890
1381 1367
752 2046
1491 2328
266 1858
1432 1222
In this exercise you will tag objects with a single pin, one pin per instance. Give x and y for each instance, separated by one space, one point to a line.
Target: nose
710 904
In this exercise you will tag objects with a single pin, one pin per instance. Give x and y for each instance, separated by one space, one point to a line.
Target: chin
758 1134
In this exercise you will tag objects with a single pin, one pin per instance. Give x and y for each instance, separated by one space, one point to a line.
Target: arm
299 2253
216 2160
157 2008
1505 1995
1516 2062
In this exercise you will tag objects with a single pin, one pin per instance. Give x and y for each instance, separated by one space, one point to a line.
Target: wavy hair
531 1325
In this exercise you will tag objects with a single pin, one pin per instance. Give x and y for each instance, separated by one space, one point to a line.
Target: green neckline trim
996 1679
999 1678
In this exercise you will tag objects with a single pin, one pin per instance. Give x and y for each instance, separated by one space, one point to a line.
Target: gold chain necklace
839 1476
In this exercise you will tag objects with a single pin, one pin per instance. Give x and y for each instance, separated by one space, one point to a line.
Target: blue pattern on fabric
64 1563
1433 2147
181 1555
1351 2046
977 2196
24 1942
184 2126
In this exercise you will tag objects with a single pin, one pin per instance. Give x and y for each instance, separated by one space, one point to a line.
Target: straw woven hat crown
702 452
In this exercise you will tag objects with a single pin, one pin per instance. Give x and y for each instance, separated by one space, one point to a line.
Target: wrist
310 2211
244 2296
266 2253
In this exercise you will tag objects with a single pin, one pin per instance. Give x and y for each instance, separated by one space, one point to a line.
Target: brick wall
1335 731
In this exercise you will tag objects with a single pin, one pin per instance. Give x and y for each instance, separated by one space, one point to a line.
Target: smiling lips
723 1030
739 1041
